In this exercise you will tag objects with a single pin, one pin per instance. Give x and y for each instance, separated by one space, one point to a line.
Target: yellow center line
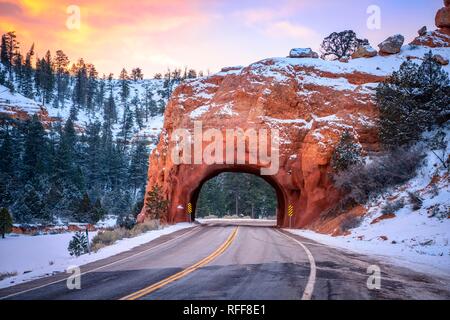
185 272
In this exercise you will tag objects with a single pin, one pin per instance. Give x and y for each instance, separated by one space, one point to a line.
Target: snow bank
37 256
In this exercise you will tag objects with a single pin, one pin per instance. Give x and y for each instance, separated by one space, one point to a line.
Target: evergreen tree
81 81
346 153
61 62
138 166
35 149
78 245
124 85
91 86
411 101
5 222
47 78
27 79
127 126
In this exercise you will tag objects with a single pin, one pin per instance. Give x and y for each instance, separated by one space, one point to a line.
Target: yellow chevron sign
189 208
290 210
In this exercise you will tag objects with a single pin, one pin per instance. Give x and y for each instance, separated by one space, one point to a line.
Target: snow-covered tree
78 245
346 153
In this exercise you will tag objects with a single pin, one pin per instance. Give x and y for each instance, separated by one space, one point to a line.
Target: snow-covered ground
33 257
419 239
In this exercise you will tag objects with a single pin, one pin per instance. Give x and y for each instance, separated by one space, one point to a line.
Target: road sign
290 214
290 210
189 208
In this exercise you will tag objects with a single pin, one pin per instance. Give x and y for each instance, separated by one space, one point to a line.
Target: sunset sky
202 34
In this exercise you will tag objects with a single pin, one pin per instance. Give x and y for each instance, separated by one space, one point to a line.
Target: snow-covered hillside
418 238
13 104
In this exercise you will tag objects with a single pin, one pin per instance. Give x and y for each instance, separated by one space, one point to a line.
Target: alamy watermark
374 279
231 146
374 19
74 280
73 21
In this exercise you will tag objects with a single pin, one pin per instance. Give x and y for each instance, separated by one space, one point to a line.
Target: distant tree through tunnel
236 193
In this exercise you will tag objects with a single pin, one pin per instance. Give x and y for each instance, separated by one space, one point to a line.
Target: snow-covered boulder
422 31
303 53
391 45
440 59
364 52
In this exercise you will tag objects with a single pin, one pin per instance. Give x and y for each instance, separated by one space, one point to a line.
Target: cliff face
310 101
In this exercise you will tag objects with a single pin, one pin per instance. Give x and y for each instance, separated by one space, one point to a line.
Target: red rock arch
269 94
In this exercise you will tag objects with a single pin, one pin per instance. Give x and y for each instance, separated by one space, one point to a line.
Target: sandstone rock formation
364 52
310 101
422 31
303 53
441 36
443 18
391 45
440 59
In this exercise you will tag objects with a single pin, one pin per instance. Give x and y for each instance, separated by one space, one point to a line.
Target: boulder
392 45
422 31
344 59
442 19
440 59
364 52
303 53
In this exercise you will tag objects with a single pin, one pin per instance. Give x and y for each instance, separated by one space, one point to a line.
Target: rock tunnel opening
273 206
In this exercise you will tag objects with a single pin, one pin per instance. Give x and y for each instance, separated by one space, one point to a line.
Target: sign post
189 211
290 214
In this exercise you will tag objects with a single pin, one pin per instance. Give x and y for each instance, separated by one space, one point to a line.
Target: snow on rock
303 53
365 51
33 257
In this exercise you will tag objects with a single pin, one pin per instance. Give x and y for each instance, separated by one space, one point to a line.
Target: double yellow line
185 272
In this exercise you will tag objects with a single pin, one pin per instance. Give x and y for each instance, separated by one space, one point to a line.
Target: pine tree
346 153
34 162
80 89
411 101
124 85
5 222
47 80
27 80
127 125
61 62
110 111
78 245
138 166
91 86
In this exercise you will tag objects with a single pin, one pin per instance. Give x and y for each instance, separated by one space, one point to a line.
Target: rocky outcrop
441 36
391 45
310 101
440 59
422 31
364 52
442 19
303 53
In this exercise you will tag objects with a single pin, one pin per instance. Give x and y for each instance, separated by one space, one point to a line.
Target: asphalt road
224 260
